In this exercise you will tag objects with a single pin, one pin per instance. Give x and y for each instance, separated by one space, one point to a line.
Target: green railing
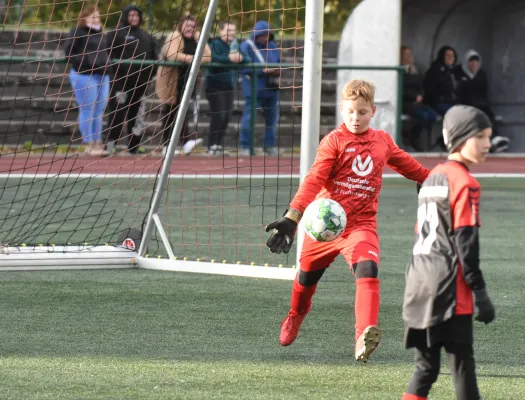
254 67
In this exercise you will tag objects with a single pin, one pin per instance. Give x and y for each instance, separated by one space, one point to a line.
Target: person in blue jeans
260 49
87 52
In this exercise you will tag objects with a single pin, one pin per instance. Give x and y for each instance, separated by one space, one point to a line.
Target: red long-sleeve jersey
348 168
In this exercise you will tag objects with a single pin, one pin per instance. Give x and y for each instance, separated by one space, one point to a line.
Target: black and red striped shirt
444 268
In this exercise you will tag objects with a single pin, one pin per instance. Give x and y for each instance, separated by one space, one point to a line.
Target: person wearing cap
444 282
473 90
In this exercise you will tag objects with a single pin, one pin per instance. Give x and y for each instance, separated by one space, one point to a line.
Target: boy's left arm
406 165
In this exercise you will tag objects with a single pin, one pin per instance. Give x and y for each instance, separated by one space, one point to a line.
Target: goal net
91 95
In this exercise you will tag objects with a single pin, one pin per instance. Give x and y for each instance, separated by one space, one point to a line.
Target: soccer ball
324 220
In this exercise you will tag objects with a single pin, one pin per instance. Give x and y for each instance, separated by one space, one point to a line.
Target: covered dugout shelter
376 29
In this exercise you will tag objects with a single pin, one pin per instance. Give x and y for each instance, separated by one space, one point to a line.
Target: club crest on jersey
362 168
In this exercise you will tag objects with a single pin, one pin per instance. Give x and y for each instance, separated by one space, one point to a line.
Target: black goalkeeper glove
283 232
486 312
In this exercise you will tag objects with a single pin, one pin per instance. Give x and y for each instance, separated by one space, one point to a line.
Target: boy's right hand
283 233
486 312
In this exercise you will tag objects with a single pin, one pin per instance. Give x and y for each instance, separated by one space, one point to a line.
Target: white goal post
310 133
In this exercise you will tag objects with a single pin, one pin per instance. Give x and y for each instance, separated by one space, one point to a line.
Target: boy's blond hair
359 88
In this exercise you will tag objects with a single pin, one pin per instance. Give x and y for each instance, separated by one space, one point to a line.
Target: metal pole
175 134
399 111
312 78
150 16
253 110
20 11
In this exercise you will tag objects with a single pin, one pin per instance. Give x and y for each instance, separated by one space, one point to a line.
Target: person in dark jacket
473 90
444 282
220 85
423 115
440 83
130 82
87 52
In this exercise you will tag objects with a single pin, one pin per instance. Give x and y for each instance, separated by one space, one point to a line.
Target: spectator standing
87 52
220 84
260 49
129 42
423 115
180 46
440 83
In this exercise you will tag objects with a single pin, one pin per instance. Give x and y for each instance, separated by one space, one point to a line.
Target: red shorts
360 245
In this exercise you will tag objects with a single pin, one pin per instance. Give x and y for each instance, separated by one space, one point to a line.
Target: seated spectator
440 83
423 115
472 90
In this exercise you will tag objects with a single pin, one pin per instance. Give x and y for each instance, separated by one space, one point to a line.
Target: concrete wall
495 28
372 37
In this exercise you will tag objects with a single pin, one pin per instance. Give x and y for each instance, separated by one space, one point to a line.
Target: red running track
23 163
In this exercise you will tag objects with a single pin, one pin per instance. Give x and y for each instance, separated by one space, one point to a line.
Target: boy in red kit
348 168
444 282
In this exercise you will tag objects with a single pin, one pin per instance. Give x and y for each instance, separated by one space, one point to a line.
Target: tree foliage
285 16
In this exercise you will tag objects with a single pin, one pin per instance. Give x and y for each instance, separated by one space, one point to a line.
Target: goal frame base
49 257
206 267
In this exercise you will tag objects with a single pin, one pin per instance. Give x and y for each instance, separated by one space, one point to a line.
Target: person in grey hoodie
473 90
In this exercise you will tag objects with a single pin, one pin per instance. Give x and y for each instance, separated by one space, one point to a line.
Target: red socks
367 301
407 396
301 297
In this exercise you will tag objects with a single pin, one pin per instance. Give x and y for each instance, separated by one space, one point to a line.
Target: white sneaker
190 145
272 151
245 153
110 148
499 144
216 150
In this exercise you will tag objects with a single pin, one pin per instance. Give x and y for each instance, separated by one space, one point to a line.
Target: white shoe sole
371 338
190 145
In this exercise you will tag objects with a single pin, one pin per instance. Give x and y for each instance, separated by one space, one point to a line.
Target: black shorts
457 329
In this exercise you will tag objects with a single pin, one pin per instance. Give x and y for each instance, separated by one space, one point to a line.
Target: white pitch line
215 176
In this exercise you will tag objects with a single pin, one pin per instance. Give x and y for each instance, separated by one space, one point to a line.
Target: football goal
108 133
